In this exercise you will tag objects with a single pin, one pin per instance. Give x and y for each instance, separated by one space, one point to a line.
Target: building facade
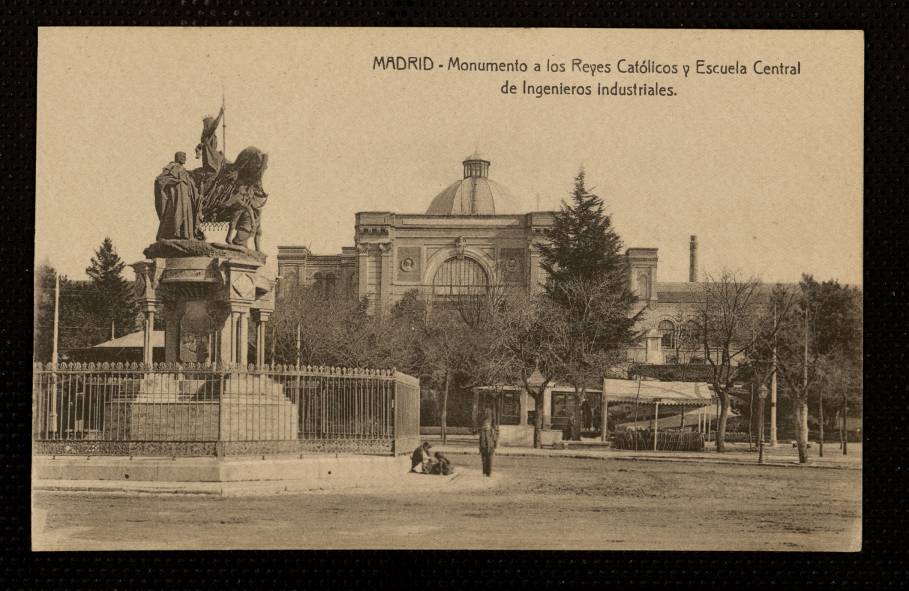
466 241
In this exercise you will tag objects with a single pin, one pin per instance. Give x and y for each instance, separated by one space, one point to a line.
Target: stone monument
213 296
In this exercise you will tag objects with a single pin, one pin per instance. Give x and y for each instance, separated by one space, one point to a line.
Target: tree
531 336
582 244
818 350
797 365
113 304
587 278
733 320
837 323
444 346
685 337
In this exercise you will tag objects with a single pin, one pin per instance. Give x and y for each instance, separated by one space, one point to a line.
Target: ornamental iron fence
187 409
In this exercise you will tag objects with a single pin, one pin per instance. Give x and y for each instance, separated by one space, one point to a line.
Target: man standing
176 202
487 445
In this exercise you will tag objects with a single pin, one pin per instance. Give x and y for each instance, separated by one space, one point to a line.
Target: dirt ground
530 503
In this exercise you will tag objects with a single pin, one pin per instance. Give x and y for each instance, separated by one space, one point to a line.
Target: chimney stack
693 260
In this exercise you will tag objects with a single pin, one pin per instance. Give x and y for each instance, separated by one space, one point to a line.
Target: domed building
470 237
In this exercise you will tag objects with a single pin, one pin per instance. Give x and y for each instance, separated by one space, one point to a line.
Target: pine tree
114 304
583 244
587 279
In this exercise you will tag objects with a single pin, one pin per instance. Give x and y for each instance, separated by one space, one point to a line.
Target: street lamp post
762 395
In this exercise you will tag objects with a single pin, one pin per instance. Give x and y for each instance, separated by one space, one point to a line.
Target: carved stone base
174 248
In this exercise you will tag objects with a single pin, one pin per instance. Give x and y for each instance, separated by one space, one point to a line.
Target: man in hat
487 445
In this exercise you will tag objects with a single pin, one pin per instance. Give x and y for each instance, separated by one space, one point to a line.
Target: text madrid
622 66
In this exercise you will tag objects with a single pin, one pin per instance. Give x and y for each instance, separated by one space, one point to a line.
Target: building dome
475 194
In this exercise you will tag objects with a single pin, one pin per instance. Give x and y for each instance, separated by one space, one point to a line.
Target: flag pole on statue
223 122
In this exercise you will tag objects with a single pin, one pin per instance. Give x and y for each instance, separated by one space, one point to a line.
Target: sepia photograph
454 288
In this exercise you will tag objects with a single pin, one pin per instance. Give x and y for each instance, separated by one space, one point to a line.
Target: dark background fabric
882 563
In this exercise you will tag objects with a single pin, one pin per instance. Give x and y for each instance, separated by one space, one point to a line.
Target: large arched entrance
459 277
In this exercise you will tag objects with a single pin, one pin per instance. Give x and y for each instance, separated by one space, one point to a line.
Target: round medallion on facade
511 265
407 264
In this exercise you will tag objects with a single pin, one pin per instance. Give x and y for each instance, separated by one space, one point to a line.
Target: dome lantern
474 194
476 165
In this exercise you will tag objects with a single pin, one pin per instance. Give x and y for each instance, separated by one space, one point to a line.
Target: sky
765 170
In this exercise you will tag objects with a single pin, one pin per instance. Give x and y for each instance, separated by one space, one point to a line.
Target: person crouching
442 465
419 457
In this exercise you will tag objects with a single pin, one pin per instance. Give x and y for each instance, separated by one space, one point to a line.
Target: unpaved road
531 502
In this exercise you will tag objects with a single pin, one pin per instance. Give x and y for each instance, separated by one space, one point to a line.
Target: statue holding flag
207 149
218 192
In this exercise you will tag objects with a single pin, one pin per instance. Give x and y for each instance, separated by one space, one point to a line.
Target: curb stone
706 460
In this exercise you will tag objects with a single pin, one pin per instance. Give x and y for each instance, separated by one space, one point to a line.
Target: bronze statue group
218 191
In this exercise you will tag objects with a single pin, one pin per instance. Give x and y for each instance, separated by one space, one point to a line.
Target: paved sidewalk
782 455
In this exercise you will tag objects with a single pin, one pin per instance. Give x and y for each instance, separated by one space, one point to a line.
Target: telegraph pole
820 397
52 427
804 421
223 123
773 383
56 317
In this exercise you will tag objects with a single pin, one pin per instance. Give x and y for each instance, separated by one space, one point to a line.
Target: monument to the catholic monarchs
212 294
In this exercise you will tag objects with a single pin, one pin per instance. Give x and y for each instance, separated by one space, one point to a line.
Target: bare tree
732 318
685 335
532 336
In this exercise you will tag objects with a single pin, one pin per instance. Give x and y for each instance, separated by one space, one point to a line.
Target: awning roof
133 340
651 391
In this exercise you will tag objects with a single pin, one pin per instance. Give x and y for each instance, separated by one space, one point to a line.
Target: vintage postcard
440 288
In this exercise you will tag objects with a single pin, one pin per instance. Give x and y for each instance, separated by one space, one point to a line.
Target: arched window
667 334
329 282
643 285
325 284
459 276
289 283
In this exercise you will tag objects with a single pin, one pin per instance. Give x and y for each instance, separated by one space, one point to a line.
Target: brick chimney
693 260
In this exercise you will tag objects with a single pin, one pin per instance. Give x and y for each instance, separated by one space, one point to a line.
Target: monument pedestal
209 303
206 392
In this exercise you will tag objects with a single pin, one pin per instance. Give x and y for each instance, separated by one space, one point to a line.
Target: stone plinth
166 407
175 420
257 410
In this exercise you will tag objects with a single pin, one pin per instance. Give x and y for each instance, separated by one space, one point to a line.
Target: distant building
468 239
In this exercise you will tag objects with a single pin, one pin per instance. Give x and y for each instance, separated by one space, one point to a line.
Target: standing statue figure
212 159
176 202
